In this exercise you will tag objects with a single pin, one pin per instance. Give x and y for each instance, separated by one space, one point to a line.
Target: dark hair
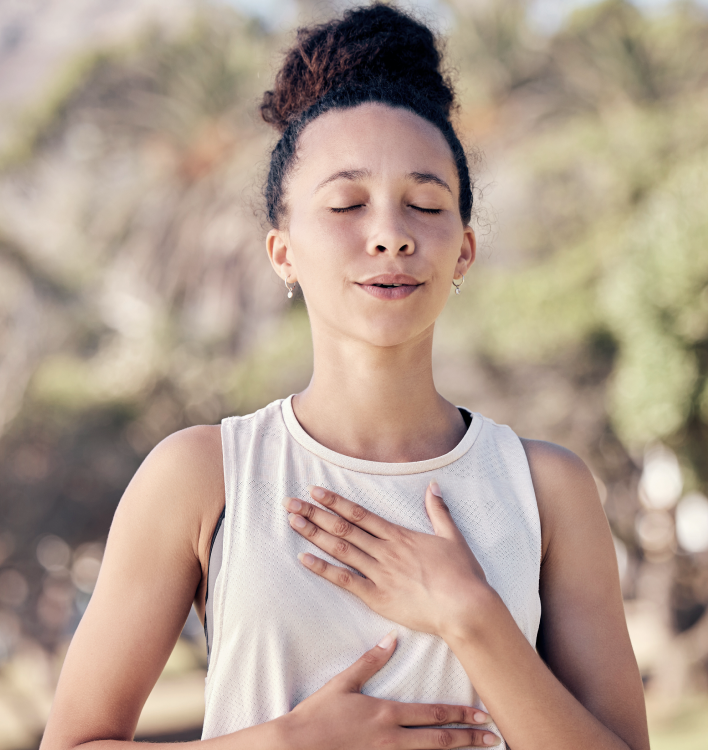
372 54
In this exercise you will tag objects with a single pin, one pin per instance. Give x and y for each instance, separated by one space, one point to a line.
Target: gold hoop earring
457 286
290 289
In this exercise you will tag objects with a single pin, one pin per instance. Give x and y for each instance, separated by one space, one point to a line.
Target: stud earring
290 289
457 286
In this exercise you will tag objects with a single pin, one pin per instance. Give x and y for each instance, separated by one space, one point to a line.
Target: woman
402 513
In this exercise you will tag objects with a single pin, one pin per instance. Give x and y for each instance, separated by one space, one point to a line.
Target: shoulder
583 635
554 466
180 482
565 489
188 462
192 453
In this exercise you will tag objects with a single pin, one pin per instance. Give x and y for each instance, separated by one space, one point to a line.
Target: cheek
322 247
445 241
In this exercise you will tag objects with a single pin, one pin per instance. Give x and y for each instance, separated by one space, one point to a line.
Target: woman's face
374 235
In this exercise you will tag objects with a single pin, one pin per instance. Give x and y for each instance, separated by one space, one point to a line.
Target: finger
364 668
427 739
358 515
341 577
439 513
340 549
332 524
428 714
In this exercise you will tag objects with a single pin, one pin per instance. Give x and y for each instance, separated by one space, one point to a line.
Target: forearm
531 707
271 735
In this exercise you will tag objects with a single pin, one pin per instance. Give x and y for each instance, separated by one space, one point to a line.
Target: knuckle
341 548
444 738
359 513
342 528
370 658
329 499
440 714
312 531
308 510
344 578
386 713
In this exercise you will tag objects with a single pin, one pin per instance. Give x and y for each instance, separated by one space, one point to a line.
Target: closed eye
345 209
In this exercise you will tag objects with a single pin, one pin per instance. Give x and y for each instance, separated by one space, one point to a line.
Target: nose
389 234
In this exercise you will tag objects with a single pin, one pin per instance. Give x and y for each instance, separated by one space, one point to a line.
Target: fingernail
292 503
480 718
491 739
388 639
298 521
435 489
318 493
306 559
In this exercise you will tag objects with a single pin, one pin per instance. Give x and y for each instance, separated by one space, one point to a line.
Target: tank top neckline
379 467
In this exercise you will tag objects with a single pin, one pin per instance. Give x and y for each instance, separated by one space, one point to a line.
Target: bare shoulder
565 488
191 451
151 573
583 635
182 481
553 466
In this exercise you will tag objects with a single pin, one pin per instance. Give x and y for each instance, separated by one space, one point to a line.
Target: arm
150 574
154 565
589 694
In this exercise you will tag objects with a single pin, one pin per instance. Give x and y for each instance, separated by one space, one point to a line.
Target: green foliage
611 230
655 294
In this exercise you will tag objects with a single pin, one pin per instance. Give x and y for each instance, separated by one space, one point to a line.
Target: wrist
476 611
283 736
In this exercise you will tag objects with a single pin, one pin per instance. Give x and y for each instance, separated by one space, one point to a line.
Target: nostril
381 248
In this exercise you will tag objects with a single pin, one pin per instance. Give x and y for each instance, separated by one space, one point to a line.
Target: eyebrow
423 178
354 175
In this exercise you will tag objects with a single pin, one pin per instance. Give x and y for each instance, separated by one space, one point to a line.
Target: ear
468 252
280 254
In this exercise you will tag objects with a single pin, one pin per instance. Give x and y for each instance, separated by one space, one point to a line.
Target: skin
584 693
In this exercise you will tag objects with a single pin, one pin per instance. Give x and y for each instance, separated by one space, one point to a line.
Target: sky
547 15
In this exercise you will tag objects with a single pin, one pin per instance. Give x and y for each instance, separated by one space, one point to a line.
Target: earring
290 289
457 286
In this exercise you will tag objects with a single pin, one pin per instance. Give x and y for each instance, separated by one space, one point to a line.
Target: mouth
390 286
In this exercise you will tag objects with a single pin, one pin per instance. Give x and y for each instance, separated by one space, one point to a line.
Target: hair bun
376 43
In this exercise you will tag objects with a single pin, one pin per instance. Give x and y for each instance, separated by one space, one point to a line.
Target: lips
391 279
390 286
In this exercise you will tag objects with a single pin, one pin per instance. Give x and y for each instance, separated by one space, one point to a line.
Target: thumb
438 512
369 664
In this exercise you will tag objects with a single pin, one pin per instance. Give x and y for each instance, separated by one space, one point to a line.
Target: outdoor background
136 298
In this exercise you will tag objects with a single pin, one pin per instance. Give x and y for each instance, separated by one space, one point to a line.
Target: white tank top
280 632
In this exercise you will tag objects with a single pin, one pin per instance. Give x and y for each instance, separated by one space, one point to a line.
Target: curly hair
372 54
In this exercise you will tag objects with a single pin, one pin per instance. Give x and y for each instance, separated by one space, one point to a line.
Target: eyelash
417 208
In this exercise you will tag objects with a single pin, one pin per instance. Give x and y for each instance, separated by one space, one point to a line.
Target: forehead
385 140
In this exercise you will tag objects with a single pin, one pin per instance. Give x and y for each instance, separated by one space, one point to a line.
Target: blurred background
136 298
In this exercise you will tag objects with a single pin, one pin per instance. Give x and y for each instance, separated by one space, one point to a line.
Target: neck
377 403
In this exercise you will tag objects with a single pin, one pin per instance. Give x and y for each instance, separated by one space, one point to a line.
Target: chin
387 335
